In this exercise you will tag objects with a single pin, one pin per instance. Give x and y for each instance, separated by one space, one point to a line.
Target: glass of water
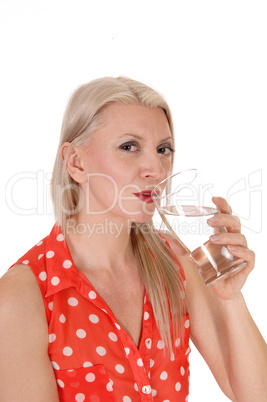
184 204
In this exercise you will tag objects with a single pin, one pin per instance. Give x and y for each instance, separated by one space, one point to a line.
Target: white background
209 60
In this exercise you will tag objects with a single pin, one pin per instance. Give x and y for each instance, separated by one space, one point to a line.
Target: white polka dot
61 383
72 301
81 333
136 386
188 351
172 357
163 375
79 397
113 336
55 281
25 262
39 243
40 256
55 365
119 368
50 306
101 351
146 316
110 386
51 338
43 276
87 364
177 386
50 254
182 370
127 351
60 237
154 392
126 399
92 294
93 318
67 264
160 344
140 362
90 377
67 351
62 318
187 324
151 363
177 342
117 326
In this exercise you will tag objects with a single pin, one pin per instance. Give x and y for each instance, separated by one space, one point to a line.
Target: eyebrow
141 139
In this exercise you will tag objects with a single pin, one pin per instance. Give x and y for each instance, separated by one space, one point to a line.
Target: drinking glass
184 204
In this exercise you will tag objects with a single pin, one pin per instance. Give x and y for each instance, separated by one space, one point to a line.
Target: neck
99 242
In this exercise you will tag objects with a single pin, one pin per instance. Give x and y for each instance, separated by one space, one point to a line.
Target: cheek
102 188
109 167
104 192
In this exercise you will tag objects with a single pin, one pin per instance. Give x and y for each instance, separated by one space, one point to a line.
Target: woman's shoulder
165 235
19 292
24 339
30 267
19 275
22 309
174 243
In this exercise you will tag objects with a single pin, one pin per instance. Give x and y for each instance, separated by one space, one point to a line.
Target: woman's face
128 155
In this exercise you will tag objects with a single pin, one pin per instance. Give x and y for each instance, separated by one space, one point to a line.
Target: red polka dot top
93 358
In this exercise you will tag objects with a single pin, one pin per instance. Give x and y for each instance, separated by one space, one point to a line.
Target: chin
141 218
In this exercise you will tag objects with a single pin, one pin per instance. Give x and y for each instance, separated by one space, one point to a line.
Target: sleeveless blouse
93 358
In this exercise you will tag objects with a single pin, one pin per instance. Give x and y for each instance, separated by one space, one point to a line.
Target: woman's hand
228 288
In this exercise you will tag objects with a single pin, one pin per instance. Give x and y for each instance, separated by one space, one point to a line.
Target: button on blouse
146 389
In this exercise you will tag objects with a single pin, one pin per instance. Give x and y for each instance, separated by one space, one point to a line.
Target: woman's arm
25 369
221 326
247 361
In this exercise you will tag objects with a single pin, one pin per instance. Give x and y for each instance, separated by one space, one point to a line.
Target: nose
153 167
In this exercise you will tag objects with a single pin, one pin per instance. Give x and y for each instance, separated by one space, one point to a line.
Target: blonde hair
84 114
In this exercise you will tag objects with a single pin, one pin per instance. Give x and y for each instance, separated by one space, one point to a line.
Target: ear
73 162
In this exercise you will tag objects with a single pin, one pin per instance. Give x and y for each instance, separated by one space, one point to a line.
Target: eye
130 146
165 149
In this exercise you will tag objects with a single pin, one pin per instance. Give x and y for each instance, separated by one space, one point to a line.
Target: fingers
242 252
246 254
235 241
237 246
222 205
231 222
231 239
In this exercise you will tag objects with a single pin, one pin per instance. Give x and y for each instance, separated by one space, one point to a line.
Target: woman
99 310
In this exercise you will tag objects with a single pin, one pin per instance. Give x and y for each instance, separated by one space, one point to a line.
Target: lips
145 196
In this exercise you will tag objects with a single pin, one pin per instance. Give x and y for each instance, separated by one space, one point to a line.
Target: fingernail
214 237
232 248
212 220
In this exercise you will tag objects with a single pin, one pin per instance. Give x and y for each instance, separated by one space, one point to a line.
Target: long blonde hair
84 114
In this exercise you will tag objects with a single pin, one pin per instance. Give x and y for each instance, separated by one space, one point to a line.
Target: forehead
136 117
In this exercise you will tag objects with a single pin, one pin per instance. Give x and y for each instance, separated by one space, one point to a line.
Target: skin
221 326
